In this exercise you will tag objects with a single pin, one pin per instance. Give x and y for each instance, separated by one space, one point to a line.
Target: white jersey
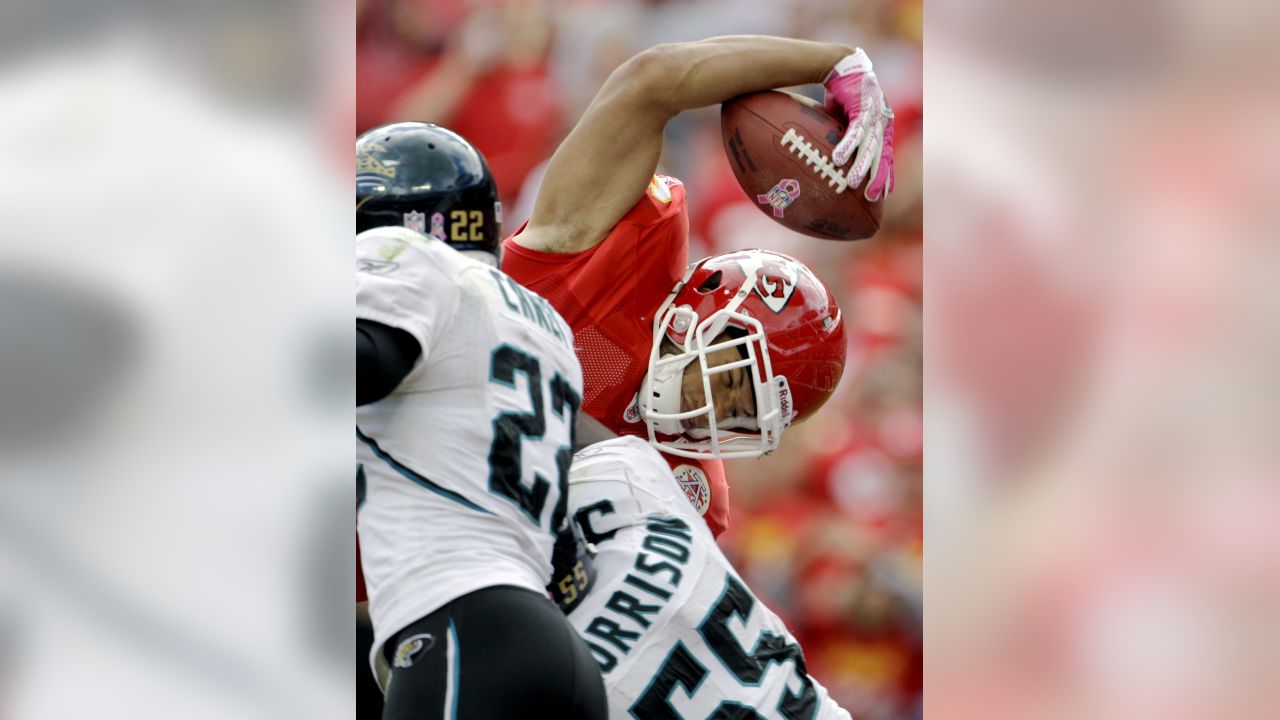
676 632
463 467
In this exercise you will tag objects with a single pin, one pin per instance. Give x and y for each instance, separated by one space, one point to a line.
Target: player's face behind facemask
745 320
705 399
733 396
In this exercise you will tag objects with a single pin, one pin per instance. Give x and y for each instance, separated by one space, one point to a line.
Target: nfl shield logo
415 221
780 196
632 413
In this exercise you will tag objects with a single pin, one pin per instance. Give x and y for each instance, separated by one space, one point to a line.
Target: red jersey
609 295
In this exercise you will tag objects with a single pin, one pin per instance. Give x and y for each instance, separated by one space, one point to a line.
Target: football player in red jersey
709 361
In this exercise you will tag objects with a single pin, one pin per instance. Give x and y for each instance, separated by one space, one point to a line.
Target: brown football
779 145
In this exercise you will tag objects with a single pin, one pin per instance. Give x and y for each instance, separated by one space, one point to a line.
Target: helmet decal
632 413
437 227
775 282
785 405
370 169
416 221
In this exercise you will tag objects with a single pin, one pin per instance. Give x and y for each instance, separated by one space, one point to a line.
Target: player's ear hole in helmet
712 283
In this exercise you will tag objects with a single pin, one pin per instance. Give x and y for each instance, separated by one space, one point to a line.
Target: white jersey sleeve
677 633
402 280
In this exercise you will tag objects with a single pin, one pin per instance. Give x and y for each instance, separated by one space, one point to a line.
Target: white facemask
660 394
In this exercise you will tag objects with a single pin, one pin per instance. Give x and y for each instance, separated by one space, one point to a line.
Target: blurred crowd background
176 383
1104 332
828 530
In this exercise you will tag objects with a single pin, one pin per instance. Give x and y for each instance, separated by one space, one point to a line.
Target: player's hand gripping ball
854 91
782 148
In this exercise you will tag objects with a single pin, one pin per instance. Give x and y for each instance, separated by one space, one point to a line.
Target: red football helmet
789 331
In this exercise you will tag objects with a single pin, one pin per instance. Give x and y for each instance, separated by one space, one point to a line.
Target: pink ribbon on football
788 187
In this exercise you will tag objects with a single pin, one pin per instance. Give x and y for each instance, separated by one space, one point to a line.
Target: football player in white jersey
467 392
677 633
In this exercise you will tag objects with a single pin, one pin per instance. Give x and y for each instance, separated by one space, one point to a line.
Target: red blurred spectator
478 69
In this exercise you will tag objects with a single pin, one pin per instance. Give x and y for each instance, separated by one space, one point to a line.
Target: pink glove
854 91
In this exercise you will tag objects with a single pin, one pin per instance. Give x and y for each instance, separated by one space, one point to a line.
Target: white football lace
795 143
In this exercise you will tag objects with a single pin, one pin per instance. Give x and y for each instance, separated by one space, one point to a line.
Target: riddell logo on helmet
787 409
775 283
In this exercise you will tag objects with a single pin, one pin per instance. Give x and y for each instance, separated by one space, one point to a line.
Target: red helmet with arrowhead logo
788 329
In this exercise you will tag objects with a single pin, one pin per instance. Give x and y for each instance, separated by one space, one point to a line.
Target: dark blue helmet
428 179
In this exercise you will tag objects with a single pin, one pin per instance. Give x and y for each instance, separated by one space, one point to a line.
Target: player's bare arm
605 164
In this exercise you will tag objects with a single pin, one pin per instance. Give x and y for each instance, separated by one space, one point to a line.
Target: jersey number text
510 429
682 669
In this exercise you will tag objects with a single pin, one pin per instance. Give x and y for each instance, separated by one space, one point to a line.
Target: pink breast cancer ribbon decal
780 196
